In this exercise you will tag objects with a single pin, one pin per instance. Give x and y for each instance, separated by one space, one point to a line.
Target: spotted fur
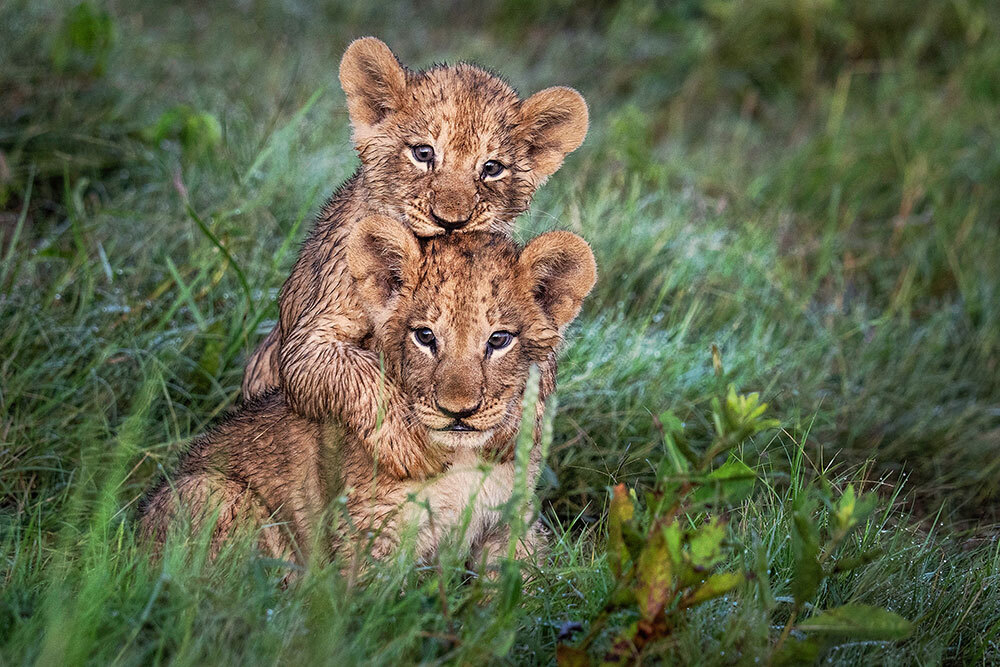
316 354
273 469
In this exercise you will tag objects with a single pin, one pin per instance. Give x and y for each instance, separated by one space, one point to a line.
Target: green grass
812 187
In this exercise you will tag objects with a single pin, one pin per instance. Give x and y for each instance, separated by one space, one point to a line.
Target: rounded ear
382 256
562 271
373 80
554 123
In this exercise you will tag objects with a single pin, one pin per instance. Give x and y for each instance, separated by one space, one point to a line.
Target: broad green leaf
716 585
621 513
731 482
654 588
805 551
859 622
706 544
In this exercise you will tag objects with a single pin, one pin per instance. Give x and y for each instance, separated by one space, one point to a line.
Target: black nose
450 225
461 414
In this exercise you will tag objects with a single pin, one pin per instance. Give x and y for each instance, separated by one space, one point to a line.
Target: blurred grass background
809 185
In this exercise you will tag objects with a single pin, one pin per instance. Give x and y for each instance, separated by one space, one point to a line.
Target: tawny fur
271 468
317 352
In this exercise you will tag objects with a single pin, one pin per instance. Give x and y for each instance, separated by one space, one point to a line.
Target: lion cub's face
461 318
453 147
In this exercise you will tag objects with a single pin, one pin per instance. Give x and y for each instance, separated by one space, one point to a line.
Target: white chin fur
461 439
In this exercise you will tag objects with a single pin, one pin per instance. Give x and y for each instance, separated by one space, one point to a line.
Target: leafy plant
820 524
667 553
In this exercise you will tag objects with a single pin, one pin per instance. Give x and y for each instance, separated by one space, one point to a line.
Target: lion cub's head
460 318
453 147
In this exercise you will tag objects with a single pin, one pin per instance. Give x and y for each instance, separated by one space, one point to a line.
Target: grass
811 187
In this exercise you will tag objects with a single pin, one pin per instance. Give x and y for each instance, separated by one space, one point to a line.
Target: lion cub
458 321
447 149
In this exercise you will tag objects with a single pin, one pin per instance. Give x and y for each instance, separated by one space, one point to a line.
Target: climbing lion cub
458 320
451 148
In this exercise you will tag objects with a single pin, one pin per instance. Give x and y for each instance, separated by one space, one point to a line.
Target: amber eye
499 340
423 153
493 169
424 336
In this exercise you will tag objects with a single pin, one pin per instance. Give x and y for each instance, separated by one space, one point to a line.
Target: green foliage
665 557
85 40
859 622
732 481
816 559
199 132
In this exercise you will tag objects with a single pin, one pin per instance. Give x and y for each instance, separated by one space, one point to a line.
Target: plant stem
784 633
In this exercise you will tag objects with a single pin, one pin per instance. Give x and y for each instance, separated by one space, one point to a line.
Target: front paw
406 452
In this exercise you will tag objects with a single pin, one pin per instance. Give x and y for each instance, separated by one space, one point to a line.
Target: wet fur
271 468
317 354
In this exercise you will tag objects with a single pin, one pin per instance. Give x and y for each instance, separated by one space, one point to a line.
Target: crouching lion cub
457 320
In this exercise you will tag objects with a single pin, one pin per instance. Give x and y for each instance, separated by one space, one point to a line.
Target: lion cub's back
259 462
